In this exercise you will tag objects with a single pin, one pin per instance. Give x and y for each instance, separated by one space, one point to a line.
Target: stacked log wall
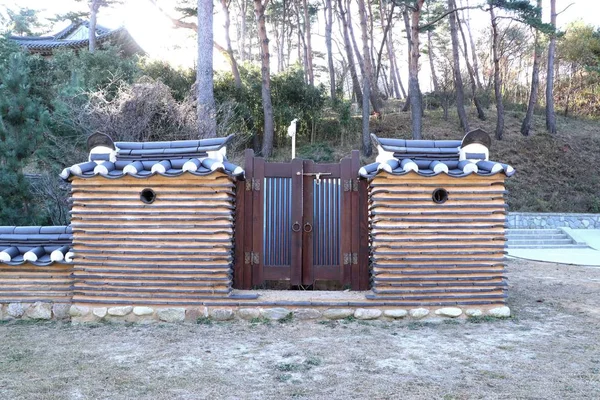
175 251
29 283
424 253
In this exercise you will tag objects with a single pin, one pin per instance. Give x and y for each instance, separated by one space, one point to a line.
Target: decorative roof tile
39 245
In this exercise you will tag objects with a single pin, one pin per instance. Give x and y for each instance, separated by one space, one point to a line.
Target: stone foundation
147 315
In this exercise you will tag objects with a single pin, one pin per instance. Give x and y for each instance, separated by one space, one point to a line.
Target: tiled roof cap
433 157
144 159
40 245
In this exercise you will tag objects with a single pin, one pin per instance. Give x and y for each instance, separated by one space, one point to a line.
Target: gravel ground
550 349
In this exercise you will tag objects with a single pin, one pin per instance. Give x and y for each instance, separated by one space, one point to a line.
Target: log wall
31 283
425 253
176 250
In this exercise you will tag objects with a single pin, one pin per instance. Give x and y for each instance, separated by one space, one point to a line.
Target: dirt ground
549 350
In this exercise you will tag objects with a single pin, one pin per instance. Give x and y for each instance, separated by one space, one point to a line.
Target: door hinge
351 185
252 184
251 258
350 258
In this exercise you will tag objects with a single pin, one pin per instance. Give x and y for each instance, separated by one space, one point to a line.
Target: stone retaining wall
147 315
518 220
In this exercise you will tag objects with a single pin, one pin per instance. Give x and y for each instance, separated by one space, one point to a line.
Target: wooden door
303 224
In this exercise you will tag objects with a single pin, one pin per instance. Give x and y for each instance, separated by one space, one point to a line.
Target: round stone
367 313
221 314
274 313
248 313
78 311
171 314
140 311
100 312
395 313
15 310
61 310
418 313
451 312
500 312
338 313
306 313
39 311
120 311
473 312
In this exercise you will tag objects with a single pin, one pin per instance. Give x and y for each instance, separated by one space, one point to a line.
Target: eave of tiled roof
39 245
46 44
429 158
453 168
146 159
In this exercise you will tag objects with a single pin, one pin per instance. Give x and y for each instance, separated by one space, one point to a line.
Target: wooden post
257 221
248 225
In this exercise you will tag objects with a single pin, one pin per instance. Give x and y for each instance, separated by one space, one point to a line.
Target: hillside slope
559 173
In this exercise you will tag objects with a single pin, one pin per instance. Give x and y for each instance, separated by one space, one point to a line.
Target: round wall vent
440 196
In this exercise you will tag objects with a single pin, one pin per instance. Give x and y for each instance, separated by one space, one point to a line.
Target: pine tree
22 124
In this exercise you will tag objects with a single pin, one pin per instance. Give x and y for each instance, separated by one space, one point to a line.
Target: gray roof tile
36 244
144 159
429 158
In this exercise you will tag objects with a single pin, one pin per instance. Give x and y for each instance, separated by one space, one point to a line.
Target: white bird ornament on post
292 133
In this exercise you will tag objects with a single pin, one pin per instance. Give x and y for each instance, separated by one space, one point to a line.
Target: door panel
304 224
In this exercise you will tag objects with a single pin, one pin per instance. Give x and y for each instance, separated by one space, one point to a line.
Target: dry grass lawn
549 350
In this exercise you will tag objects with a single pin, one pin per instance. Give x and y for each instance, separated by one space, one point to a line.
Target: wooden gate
301 222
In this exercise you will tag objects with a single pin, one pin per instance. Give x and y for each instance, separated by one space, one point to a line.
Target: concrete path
587 256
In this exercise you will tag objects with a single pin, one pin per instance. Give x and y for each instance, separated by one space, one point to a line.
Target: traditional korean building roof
145 159
455 158
75 36
40 245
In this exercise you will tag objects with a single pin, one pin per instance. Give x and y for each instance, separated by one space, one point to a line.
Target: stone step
541 241
547 246
533 231
529 237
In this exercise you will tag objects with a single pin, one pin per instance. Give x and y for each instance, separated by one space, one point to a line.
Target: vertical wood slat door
300 222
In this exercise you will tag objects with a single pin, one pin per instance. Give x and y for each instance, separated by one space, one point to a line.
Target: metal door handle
308 227
296 226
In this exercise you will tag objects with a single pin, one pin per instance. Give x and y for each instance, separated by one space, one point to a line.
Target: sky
160 40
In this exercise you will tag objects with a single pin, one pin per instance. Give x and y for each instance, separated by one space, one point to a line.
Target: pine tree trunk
535 80
497 78
281 54
349 54
361 63
407 27
470 69
207 123
458 84
309 55
550 115
328 44
234 66
242 31
269 130
302 39
366 134
414 91
94 7
473 51
393 69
